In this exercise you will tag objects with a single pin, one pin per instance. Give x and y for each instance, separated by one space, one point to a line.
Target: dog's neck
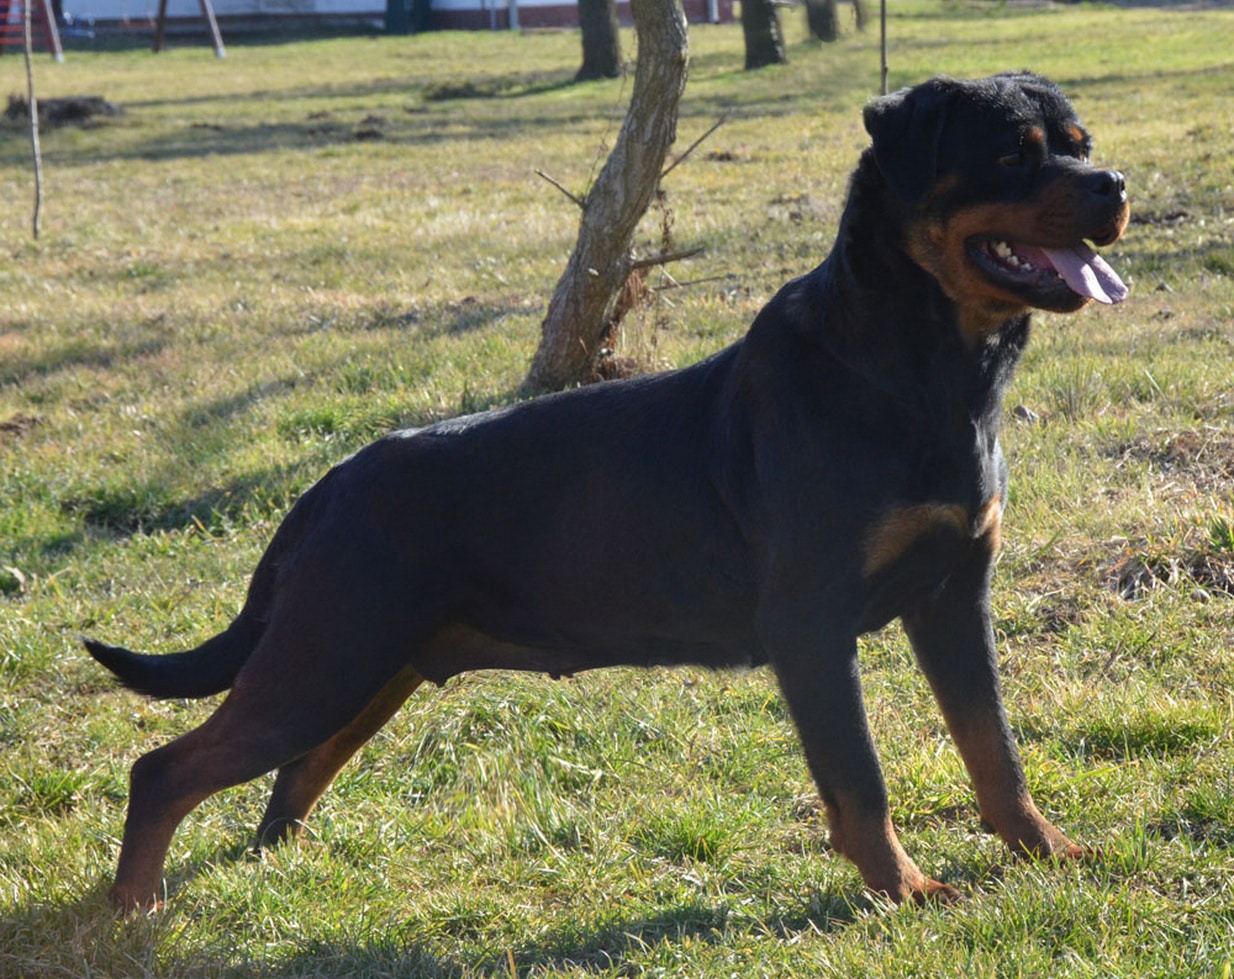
887 318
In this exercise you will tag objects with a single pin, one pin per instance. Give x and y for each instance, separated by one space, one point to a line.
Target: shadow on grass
78 353
46 938
605 945
125 509
122 503
510 86
203 140
583 948
432 114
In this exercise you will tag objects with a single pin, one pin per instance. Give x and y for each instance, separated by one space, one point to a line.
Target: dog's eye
1011 160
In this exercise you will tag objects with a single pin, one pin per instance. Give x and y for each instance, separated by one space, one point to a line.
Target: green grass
266 261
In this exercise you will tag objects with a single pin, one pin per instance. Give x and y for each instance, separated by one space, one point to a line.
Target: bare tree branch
693 146
651 261
578 201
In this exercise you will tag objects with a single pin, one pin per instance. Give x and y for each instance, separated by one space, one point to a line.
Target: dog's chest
932 527
909 550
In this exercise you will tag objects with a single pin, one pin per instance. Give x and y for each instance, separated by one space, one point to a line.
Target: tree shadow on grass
405 129
128 508
432 115
604 946
78 353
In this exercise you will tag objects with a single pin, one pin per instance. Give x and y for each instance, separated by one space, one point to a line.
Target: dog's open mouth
1041 273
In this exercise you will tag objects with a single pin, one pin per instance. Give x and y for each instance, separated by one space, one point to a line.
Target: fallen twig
674 284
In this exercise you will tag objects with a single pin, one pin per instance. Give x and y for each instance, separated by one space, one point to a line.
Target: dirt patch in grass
74 110
17 426
1207 566
1202 458
1059 612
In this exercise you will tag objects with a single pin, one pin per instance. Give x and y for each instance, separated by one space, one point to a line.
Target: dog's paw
936 892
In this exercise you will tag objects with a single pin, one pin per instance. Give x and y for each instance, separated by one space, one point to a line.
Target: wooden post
207 14
160 26
882 42
53 32
207 11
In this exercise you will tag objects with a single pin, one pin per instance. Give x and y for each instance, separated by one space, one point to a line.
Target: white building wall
142 10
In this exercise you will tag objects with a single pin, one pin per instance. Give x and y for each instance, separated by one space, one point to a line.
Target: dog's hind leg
278 711
300 783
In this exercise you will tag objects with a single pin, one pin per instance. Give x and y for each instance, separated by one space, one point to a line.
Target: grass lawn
266 261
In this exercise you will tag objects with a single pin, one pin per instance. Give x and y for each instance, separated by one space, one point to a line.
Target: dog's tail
210 668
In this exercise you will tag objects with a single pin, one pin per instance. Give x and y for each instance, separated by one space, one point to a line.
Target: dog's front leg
953 640
823 690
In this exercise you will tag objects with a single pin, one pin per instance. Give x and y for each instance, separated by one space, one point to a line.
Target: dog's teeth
1006 254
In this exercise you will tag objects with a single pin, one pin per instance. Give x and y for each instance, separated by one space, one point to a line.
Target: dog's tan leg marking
164 787
871 843
302 782
269 718
988 527
986 745
148 830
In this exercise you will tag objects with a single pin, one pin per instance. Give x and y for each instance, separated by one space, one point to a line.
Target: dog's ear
906 127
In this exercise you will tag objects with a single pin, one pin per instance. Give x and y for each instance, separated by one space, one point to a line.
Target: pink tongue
1087 273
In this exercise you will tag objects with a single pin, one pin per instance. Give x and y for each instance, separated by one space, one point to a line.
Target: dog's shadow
94 938
582 947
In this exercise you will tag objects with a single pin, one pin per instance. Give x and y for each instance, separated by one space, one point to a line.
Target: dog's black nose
1108 185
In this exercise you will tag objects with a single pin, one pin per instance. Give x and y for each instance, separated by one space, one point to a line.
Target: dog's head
1000 197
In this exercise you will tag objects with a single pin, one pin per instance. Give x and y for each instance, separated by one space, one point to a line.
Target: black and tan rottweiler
836 468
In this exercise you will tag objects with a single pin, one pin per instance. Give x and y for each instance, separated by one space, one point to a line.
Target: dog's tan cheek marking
939 248
892 536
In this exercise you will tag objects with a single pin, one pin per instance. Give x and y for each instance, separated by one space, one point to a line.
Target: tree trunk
421 16
760 22
580 314
398 17
862 12
823 19
601 40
